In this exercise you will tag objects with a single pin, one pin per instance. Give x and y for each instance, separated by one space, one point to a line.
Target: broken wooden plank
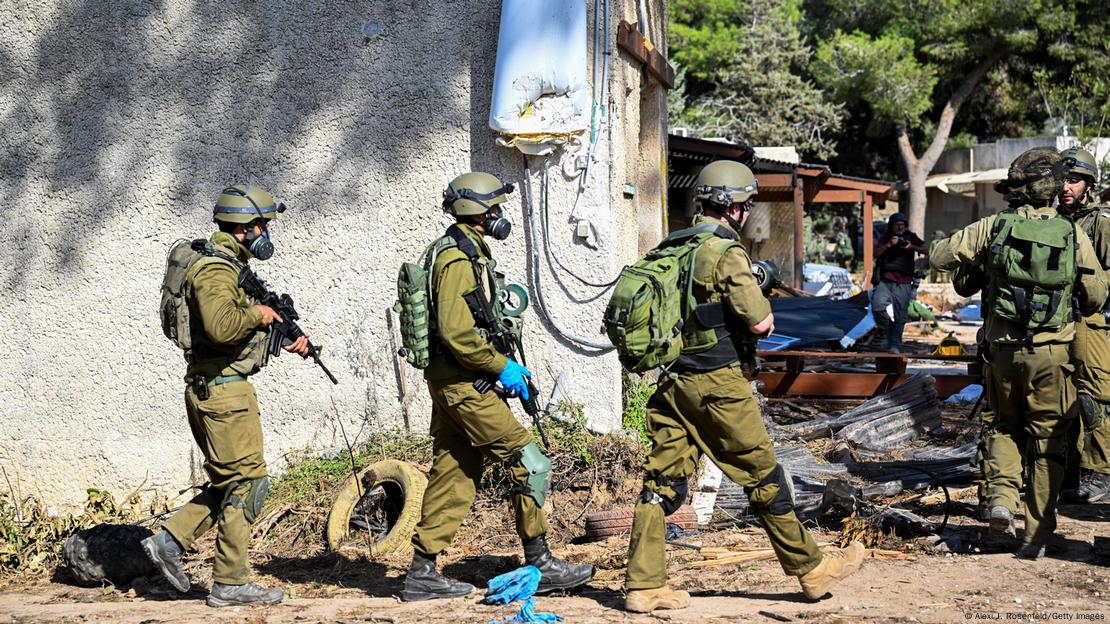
631 41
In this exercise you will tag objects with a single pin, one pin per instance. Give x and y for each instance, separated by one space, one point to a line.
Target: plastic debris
969 314
512 586
969 394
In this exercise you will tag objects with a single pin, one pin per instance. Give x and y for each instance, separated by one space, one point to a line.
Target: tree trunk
918 168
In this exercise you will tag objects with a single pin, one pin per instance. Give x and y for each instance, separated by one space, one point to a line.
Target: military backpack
415 299
1031 271
653 299
174 308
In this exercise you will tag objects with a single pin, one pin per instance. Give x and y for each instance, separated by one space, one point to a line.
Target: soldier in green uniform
704 405
229 341
1092 348
1029 332
837 249
470 427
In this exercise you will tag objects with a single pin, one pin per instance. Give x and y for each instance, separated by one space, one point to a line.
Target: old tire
388 510
619 521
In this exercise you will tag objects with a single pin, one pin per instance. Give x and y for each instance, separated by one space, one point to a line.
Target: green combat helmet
1080 162
723 183
1035 177
474 193
244 203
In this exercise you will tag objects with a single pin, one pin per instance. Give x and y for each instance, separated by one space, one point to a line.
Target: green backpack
1032 271
414 305
653 298
174 308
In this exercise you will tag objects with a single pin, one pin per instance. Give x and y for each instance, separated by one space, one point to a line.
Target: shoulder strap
681 236
480 298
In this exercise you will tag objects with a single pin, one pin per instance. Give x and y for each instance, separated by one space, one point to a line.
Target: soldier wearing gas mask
470 427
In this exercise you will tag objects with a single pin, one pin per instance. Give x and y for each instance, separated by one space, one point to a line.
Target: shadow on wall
111 96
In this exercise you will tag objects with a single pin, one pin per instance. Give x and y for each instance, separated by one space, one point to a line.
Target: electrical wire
549 250
599 348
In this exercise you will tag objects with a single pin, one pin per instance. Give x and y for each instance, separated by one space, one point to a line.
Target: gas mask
497 224
260 246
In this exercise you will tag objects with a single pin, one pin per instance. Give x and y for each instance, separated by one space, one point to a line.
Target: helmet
724 182
1080 162
474 193
244 203
1034 176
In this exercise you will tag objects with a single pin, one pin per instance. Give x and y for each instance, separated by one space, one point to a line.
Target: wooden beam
775 180
799 236
630 40
838 196
842 385
868 242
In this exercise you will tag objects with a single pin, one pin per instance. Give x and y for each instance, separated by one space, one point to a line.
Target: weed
637 390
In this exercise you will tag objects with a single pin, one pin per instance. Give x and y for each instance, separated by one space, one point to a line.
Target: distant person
894 270
937 276
837 249
1091 347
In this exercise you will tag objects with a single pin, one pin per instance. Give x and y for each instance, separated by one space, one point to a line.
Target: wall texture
122 121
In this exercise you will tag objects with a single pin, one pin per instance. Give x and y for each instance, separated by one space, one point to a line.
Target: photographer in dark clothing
893 278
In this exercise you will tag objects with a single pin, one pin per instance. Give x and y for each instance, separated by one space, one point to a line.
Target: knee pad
1091 411
250 501
783 501
652 492
539 472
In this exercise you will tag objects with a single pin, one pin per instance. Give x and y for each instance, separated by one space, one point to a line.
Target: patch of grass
637 390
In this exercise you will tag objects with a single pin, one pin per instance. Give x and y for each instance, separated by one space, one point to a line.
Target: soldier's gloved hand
514 378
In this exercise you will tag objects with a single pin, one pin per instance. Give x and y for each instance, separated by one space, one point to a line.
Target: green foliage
759 94
705 36
570 436
31 535
880 71
636 391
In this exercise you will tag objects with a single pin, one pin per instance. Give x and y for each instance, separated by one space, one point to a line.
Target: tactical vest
1031 271
710 337
245 357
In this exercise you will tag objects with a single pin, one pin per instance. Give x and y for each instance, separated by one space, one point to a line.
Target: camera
902 242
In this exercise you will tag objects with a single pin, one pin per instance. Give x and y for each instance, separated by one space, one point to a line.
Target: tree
914 63
751 76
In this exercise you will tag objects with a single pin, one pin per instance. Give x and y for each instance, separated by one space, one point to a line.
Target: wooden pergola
803 184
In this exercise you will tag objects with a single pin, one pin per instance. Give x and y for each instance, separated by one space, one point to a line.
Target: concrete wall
122 121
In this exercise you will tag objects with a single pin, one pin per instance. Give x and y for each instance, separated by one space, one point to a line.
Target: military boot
1030 551
648 600
816 582
1002 521
423 582
165 553
1093 487
983 512
243 595
555 573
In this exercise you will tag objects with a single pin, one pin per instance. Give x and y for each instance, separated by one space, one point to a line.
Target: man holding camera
893 279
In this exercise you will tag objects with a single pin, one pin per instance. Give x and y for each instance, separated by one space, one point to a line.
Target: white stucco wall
121 123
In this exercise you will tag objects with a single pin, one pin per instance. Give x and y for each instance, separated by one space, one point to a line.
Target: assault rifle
285 331
508 345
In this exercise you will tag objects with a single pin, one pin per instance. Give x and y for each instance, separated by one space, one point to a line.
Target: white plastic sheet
541 93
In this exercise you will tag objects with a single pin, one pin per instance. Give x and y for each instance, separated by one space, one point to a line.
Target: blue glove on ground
527 614
514 378
509 587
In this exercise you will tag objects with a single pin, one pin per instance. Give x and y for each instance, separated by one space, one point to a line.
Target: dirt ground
980 581
987 582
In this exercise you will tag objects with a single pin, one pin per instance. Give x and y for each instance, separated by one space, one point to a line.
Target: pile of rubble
868 456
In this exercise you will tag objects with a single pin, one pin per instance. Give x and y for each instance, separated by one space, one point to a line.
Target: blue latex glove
514 378
509 587
527 614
